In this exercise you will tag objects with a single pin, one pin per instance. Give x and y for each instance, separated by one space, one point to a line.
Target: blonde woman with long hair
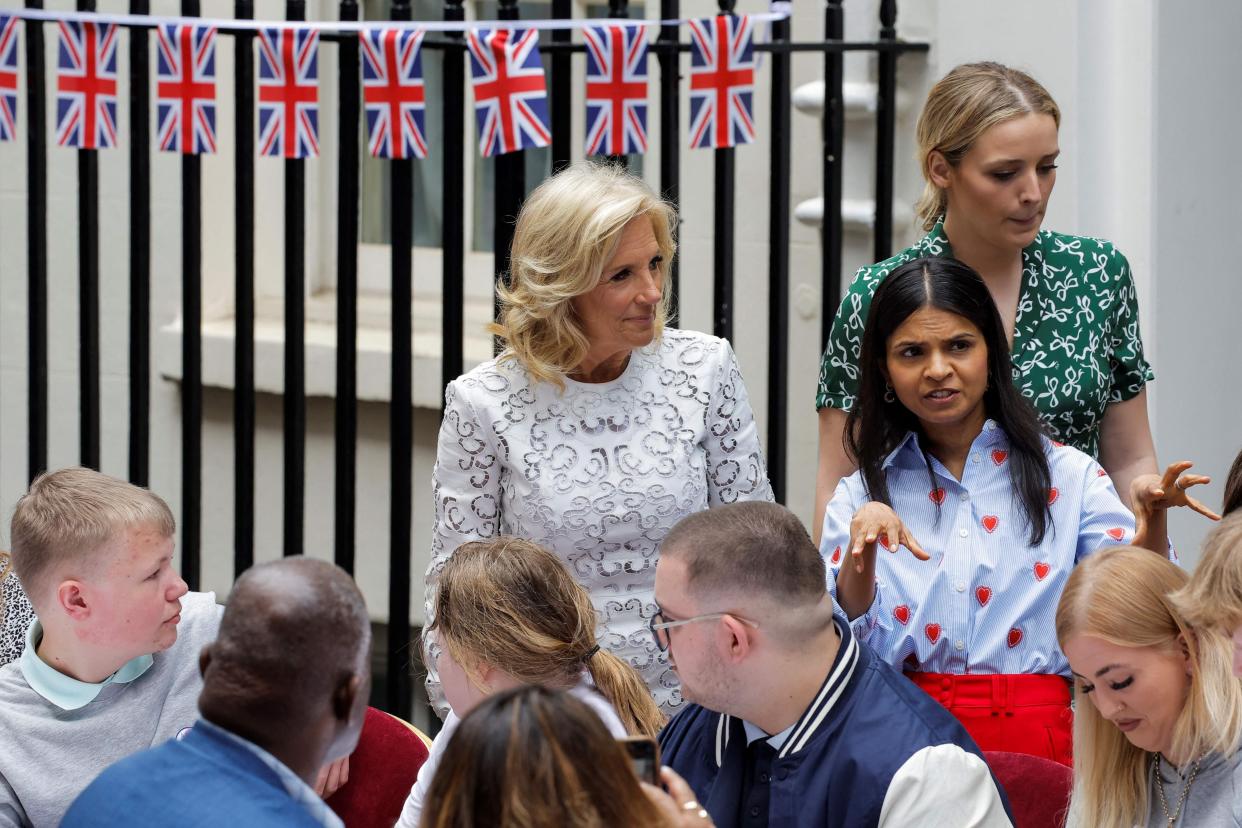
509 615
988 149
1158 714
597 428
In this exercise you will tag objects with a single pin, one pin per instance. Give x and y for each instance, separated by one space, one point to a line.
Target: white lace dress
598 474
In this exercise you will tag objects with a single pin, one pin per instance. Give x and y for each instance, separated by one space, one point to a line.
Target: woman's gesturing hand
877 523
1150 493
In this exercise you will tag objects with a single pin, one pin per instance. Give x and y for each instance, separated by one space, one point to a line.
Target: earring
889 396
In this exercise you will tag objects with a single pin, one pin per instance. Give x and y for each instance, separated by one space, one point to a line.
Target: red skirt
1020 714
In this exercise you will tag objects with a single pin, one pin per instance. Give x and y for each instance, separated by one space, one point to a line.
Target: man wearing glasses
793 722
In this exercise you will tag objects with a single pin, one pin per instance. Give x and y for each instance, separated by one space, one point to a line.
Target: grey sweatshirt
48 754
1213 799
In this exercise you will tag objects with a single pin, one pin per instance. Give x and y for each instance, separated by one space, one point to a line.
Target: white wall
1198 294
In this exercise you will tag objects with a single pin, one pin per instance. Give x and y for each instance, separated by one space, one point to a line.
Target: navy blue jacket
202 780
868 729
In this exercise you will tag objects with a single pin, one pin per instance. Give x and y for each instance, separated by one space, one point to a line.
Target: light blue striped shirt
986 601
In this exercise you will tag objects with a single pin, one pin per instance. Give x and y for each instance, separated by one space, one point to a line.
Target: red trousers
1020 714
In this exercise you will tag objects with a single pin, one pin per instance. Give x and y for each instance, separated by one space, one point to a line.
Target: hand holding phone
644 756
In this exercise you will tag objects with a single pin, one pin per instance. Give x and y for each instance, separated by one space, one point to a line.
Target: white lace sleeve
466 487
735 466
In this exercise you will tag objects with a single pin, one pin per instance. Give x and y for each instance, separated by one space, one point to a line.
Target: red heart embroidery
1015 637
933 632
902 614
1116 533
836 555
990 522
999 456
1058 445
984 594
1041 570
1053 494
883 541
936 495
1101 473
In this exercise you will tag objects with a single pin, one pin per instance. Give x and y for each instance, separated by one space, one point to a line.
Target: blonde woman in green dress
988 145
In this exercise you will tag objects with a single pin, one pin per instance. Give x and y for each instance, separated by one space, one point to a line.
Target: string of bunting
510 89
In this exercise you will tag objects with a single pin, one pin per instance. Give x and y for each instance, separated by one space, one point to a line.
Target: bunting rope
780 11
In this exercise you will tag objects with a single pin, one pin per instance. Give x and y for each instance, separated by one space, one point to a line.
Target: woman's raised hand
1149 493
877 523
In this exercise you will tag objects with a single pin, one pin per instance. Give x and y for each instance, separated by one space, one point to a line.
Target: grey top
50 754
1213 799
15 613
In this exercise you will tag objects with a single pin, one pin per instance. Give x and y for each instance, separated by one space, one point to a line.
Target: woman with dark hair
950 452
538 758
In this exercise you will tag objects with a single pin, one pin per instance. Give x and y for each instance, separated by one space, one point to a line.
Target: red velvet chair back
382 769
1038 788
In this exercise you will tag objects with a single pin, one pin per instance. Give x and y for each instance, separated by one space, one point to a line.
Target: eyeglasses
659 625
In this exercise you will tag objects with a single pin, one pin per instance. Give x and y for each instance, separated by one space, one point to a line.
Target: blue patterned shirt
986 601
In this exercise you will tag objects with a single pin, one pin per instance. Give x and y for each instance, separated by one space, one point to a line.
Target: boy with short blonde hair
111 659
1212 599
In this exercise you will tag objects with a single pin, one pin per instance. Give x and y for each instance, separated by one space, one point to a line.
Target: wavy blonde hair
1121 595
567 231
511 604
963 105
1213 597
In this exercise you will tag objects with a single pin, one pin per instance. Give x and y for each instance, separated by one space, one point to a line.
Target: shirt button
960 586
763 777
754 810
963 532
974 458
987 426
964 497
959 644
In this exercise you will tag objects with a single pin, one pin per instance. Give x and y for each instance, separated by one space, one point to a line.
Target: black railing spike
346 403
243 279
833 125
139 254
294 397
886 129
36 246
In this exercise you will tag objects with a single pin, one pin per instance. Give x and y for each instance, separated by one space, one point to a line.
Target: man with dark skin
285 688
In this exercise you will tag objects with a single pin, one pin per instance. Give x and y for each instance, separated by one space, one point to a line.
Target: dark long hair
533 757
875 427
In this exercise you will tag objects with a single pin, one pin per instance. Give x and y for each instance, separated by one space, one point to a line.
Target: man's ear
939 170
345 697
71 598
735 638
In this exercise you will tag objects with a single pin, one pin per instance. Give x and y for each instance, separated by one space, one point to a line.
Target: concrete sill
374 347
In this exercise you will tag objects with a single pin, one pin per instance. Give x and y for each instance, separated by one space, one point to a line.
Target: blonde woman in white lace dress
597 428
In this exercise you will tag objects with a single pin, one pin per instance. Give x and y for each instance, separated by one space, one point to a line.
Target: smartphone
644 756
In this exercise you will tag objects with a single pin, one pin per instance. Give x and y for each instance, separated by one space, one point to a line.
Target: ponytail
627 693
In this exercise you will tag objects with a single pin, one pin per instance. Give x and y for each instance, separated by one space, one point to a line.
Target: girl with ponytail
508 614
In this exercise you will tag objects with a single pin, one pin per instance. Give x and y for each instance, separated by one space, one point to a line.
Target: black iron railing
509 190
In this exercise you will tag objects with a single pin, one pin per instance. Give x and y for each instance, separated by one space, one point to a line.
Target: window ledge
374 347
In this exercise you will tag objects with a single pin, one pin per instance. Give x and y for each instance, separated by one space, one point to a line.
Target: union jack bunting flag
722 81
185 92
8 77
510 98
616 97
392 89
289 93
86 86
